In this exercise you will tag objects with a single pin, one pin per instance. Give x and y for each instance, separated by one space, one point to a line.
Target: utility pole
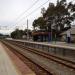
27 30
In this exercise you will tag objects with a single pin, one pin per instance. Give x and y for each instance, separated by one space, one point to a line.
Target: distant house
72 32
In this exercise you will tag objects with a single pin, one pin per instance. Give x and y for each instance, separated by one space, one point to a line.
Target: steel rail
21 53
62 61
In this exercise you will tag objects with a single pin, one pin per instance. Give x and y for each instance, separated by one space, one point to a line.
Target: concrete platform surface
19 64
53 43
6 65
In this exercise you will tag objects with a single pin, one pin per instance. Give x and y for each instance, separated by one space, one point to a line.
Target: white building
71 32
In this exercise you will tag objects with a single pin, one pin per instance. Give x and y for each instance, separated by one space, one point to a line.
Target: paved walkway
6 65
53 43
57 43
61 43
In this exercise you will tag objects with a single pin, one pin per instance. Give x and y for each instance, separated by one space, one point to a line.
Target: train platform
58 43
61 44
9 66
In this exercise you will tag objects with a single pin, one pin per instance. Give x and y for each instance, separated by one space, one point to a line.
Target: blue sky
11 9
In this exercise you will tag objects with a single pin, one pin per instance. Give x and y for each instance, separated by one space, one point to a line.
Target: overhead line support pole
27 30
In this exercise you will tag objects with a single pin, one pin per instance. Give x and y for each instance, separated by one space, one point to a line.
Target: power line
37 9
31 12
34 10
27 9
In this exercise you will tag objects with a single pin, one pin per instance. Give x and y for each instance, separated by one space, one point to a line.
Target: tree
40 23
17 34
35 24
58 16
29 32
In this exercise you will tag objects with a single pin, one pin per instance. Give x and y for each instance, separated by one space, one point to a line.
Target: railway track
37 68
62 62
65 62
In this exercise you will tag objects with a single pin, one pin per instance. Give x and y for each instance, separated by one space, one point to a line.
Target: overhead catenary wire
33 11
27 9
36 10
30 7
